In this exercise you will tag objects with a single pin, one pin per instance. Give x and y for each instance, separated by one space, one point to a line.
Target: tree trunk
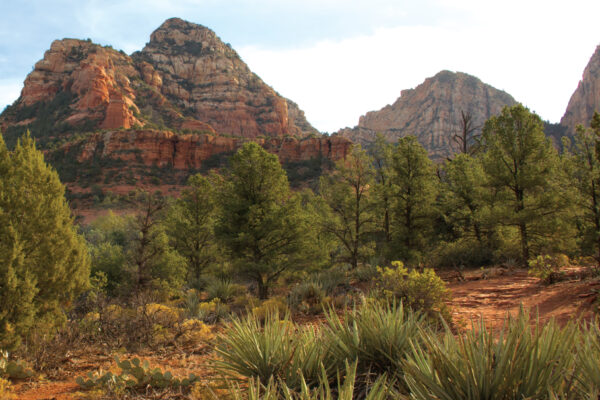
386 223
263 289
524 243
477 230
522 226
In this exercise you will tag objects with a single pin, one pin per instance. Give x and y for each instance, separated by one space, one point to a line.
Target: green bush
467 253
331 279
424 291
275 305
365 273
307 297
522 363
548 267
213 311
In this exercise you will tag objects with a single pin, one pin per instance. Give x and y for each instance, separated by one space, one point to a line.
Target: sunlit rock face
432 112
586 98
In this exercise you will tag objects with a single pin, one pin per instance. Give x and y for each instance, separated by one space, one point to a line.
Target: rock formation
586 98
432 112
180 105
205 77
189 152
185 79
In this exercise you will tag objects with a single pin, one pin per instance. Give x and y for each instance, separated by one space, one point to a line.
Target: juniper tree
44 262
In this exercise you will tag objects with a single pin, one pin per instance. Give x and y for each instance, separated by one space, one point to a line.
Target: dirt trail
493 298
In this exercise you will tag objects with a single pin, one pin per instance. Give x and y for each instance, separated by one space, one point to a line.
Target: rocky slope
179 104
207 79
432 112
586 98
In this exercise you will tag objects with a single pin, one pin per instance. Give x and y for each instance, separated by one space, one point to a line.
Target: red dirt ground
494 298
489 298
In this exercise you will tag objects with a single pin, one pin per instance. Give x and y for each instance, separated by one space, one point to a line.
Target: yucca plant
344 390
222 289
378 337
273 349
588 362
522 363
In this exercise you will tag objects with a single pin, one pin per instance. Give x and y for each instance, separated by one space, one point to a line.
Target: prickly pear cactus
136 374
92 380
14 369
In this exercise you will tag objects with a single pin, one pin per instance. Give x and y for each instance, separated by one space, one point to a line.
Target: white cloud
535 52
9 92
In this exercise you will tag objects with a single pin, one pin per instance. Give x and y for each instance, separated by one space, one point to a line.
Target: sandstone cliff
120 160
185 79
189 152
432 112
586 98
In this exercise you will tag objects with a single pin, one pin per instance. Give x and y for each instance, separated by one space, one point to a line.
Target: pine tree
584 172
349 212
44 262
382 157
521 163
261 223
415 191
190 225
464 197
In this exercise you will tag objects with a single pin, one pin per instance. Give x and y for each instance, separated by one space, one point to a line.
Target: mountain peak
432 111
586 98
185 78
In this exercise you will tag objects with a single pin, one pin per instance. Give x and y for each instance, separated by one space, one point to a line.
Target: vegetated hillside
586 98
184 102
432 112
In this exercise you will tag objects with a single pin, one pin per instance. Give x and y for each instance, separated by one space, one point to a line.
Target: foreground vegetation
240 248
385 352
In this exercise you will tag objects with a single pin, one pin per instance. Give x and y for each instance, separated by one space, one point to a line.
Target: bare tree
147 248
466 139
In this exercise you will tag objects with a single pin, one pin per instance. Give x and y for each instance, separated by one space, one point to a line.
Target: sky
338 59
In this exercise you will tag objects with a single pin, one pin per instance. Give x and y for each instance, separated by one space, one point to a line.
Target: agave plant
522 363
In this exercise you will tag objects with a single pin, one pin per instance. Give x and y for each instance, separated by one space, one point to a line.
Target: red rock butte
184 98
